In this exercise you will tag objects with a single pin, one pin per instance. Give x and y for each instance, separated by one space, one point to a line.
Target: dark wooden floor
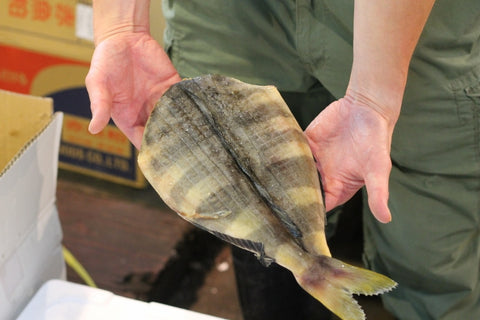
125 238
115 239
134 246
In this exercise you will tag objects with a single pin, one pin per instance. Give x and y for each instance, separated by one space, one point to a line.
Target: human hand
351 142
128 74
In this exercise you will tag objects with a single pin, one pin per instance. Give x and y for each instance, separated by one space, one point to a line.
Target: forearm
385 36
111 17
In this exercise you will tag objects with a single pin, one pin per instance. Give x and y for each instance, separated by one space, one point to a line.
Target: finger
377 190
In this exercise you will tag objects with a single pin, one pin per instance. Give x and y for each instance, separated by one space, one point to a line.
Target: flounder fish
230 158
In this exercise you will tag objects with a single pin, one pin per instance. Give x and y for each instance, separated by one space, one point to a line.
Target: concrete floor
126 238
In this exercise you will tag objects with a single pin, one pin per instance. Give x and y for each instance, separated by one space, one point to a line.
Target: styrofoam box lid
59 300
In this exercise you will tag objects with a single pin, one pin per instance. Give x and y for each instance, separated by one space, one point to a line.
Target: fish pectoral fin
206 215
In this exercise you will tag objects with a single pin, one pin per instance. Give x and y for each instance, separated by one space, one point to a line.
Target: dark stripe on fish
223 200
155 132
305 222
160 164
242 165
260 114
283 164
201 144
231 100
175 146
290 135
206 142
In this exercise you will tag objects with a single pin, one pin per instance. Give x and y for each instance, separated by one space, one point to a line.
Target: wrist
124 16
387 108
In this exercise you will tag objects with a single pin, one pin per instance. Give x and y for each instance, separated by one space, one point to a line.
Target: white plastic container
61 300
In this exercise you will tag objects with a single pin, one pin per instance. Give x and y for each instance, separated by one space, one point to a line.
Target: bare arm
385 36
351 138
112 17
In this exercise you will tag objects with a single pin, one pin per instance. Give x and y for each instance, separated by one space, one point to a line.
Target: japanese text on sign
43 10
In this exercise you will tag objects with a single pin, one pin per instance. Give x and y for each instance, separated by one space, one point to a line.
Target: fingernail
91 128
388 220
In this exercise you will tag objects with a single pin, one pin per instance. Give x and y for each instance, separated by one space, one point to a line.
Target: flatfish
230 158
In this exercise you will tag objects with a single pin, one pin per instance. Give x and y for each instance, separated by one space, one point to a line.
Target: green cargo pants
304 47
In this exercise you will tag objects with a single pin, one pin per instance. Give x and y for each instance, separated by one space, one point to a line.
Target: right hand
129 72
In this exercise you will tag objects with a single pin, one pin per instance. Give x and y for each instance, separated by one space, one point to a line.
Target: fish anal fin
264 260
256 247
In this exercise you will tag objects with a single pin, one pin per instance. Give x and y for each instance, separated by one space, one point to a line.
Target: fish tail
333 283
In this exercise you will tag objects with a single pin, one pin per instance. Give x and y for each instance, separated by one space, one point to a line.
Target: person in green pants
389 93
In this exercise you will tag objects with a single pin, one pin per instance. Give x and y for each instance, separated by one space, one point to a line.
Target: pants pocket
467 97
466 90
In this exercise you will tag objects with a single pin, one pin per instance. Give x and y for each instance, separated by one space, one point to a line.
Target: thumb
100 105
377 190
100 119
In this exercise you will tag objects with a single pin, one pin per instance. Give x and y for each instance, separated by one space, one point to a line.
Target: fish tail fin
333 283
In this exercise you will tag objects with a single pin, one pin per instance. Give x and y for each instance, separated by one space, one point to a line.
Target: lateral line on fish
287 222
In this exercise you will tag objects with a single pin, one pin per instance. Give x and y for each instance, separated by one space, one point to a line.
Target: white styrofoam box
62 300
30 230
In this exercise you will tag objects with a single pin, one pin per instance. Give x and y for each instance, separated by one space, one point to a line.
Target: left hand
351 142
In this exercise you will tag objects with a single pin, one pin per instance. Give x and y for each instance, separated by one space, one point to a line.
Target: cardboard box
45 49
60 300
30 231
